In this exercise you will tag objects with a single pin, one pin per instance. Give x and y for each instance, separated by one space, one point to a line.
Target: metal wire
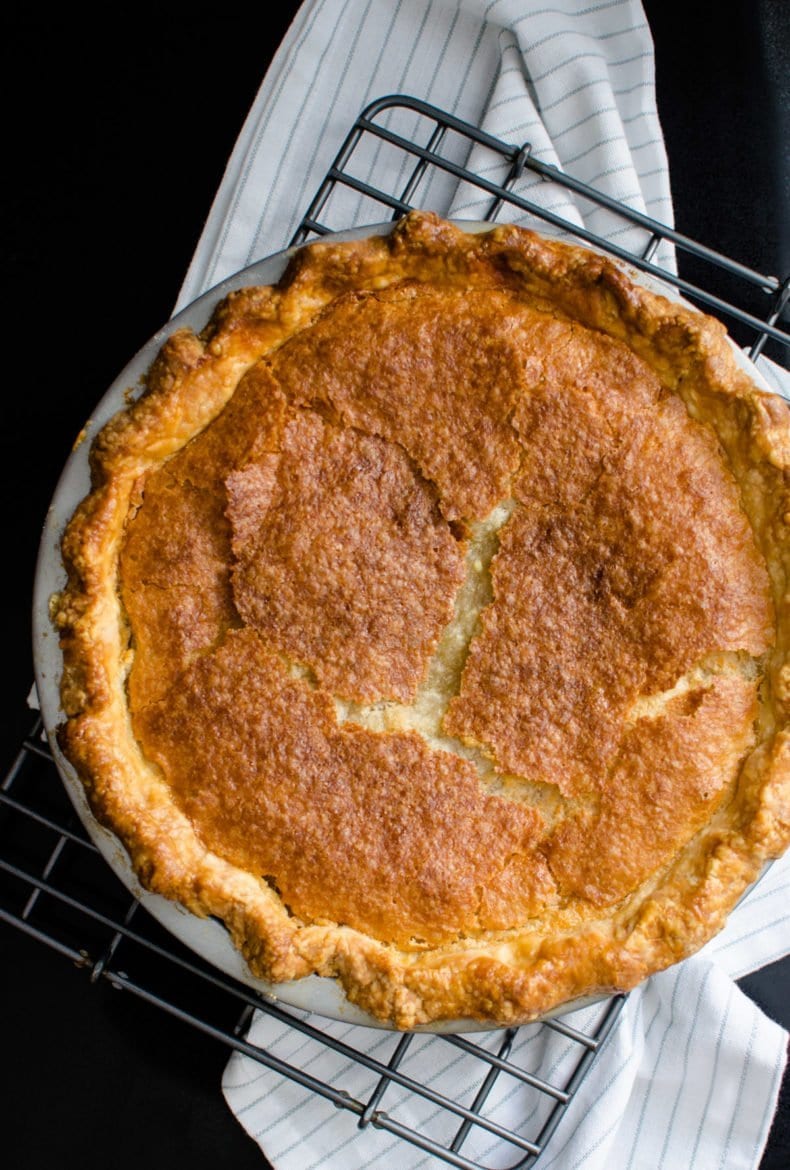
428 157
56 887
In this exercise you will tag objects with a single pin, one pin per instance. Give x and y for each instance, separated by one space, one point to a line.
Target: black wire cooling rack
56 887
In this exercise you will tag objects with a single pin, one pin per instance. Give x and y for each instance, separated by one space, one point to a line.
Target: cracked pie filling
427 624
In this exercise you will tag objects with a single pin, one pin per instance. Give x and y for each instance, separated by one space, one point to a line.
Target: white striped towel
691 1075
574 79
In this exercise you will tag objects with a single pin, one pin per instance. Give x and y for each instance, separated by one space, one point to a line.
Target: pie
426 623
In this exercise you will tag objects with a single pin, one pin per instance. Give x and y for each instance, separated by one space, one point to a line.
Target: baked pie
427 623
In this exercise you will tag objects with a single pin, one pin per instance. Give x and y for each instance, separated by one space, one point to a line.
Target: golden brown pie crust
427 624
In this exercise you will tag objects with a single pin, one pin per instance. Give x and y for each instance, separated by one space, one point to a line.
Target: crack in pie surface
426 623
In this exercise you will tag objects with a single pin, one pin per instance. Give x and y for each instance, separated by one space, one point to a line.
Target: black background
115 140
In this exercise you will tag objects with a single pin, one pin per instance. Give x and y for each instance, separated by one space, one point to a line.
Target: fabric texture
576 80
692 1071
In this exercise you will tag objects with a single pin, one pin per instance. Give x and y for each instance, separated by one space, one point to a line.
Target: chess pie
427 624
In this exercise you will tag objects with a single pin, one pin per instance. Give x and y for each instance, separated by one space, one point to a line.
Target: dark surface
114 150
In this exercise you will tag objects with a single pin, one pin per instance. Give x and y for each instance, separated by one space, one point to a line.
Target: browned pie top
613 576
341 558
348 824
450 618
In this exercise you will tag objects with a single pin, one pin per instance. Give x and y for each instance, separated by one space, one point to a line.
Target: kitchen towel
692 1072
575 80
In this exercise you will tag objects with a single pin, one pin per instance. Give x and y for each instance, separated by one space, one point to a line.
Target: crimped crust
427 623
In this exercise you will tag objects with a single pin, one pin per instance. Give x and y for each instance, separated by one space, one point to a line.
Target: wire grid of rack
56 887
436 142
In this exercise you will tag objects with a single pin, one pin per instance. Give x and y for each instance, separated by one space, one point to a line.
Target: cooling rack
436 142
56 887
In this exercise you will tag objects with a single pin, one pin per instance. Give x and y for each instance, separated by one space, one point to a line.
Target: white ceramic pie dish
206 937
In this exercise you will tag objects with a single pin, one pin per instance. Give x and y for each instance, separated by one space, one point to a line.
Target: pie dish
425 623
